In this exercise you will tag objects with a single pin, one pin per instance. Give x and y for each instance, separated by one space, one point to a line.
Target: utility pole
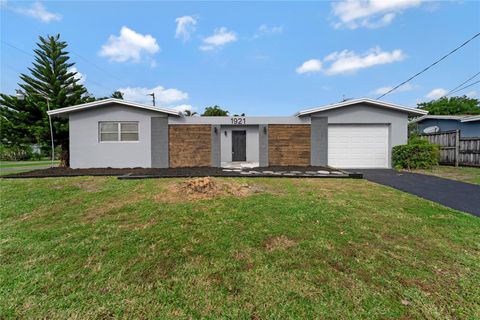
22 96
153 97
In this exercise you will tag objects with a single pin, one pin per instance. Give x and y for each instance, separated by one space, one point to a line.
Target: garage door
358 146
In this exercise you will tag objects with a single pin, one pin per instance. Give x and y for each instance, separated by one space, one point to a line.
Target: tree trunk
64 159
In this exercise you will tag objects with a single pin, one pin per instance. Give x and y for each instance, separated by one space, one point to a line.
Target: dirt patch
279 243
205 188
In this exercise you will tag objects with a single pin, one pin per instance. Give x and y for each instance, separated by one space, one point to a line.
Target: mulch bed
143 173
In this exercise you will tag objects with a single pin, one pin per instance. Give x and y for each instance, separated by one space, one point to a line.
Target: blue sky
261 58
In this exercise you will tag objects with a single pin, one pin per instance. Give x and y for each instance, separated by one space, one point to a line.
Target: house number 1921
238 120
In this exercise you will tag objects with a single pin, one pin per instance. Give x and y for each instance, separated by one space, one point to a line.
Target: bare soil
153 172
205 188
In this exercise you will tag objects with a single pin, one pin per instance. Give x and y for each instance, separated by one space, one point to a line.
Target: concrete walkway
457 195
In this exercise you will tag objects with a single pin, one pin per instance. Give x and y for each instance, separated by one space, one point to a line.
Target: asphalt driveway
454 194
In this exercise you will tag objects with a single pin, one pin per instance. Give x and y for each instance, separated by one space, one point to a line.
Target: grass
98 247
465 174
4 173
15 164
21 165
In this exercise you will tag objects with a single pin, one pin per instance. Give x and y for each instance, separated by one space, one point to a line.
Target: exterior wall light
265 130
215 130
225 133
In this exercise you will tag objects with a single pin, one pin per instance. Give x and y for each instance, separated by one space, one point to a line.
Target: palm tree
189 113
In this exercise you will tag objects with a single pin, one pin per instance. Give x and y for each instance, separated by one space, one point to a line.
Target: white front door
358 146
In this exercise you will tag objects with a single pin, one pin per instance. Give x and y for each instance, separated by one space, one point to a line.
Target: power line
21 50
419 73
96 66
451 91
463 88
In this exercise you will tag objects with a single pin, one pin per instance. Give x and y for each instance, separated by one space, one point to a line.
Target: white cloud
349 62
162 96
346 61
219 38
369 13
81 78
404 88
185 107
436 93
185 27
265 30
472 94
310 66
38 11
129 46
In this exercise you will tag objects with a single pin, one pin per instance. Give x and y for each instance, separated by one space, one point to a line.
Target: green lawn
465 174
22 165
15 164
96 248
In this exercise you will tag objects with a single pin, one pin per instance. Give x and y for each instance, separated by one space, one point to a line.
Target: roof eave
67 110
363 100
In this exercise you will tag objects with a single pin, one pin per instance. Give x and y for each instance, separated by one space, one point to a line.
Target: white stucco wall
252 142
86 151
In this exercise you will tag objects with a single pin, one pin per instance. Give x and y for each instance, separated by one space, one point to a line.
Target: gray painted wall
467 129
216 146
263 145
248 120
252 142
159 142
368 114
319 141
87 152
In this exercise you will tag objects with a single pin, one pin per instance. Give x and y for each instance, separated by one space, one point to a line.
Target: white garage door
358 146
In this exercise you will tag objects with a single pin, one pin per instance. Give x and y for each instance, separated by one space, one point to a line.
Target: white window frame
118 132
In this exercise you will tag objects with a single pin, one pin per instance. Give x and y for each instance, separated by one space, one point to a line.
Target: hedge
417 154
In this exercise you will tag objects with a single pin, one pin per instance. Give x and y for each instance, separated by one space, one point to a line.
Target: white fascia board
471 118
88 105
362 100
461 118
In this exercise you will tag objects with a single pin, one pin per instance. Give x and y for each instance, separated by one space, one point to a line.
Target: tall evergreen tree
26 121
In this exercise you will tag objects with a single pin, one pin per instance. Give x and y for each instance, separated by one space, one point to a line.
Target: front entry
239 145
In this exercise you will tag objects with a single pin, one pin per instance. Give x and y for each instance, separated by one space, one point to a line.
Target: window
118 131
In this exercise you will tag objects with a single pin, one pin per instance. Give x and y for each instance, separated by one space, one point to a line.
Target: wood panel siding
189 146
289 145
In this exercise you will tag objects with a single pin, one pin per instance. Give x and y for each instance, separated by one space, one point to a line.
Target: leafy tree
117 95
239 115
214 111
452 106
49 84
189 113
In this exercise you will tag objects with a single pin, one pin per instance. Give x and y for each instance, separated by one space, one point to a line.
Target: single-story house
468 125
116 133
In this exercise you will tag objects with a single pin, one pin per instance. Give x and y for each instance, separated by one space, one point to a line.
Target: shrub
417 154
15 153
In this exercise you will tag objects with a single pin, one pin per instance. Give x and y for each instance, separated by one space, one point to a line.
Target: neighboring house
468 125
352 134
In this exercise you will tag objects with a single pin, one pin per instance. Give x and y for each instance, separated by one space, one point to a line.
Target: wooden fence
456 150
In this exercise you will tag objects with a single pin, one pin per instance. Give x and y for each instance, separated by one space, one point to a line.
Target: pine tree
26 121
